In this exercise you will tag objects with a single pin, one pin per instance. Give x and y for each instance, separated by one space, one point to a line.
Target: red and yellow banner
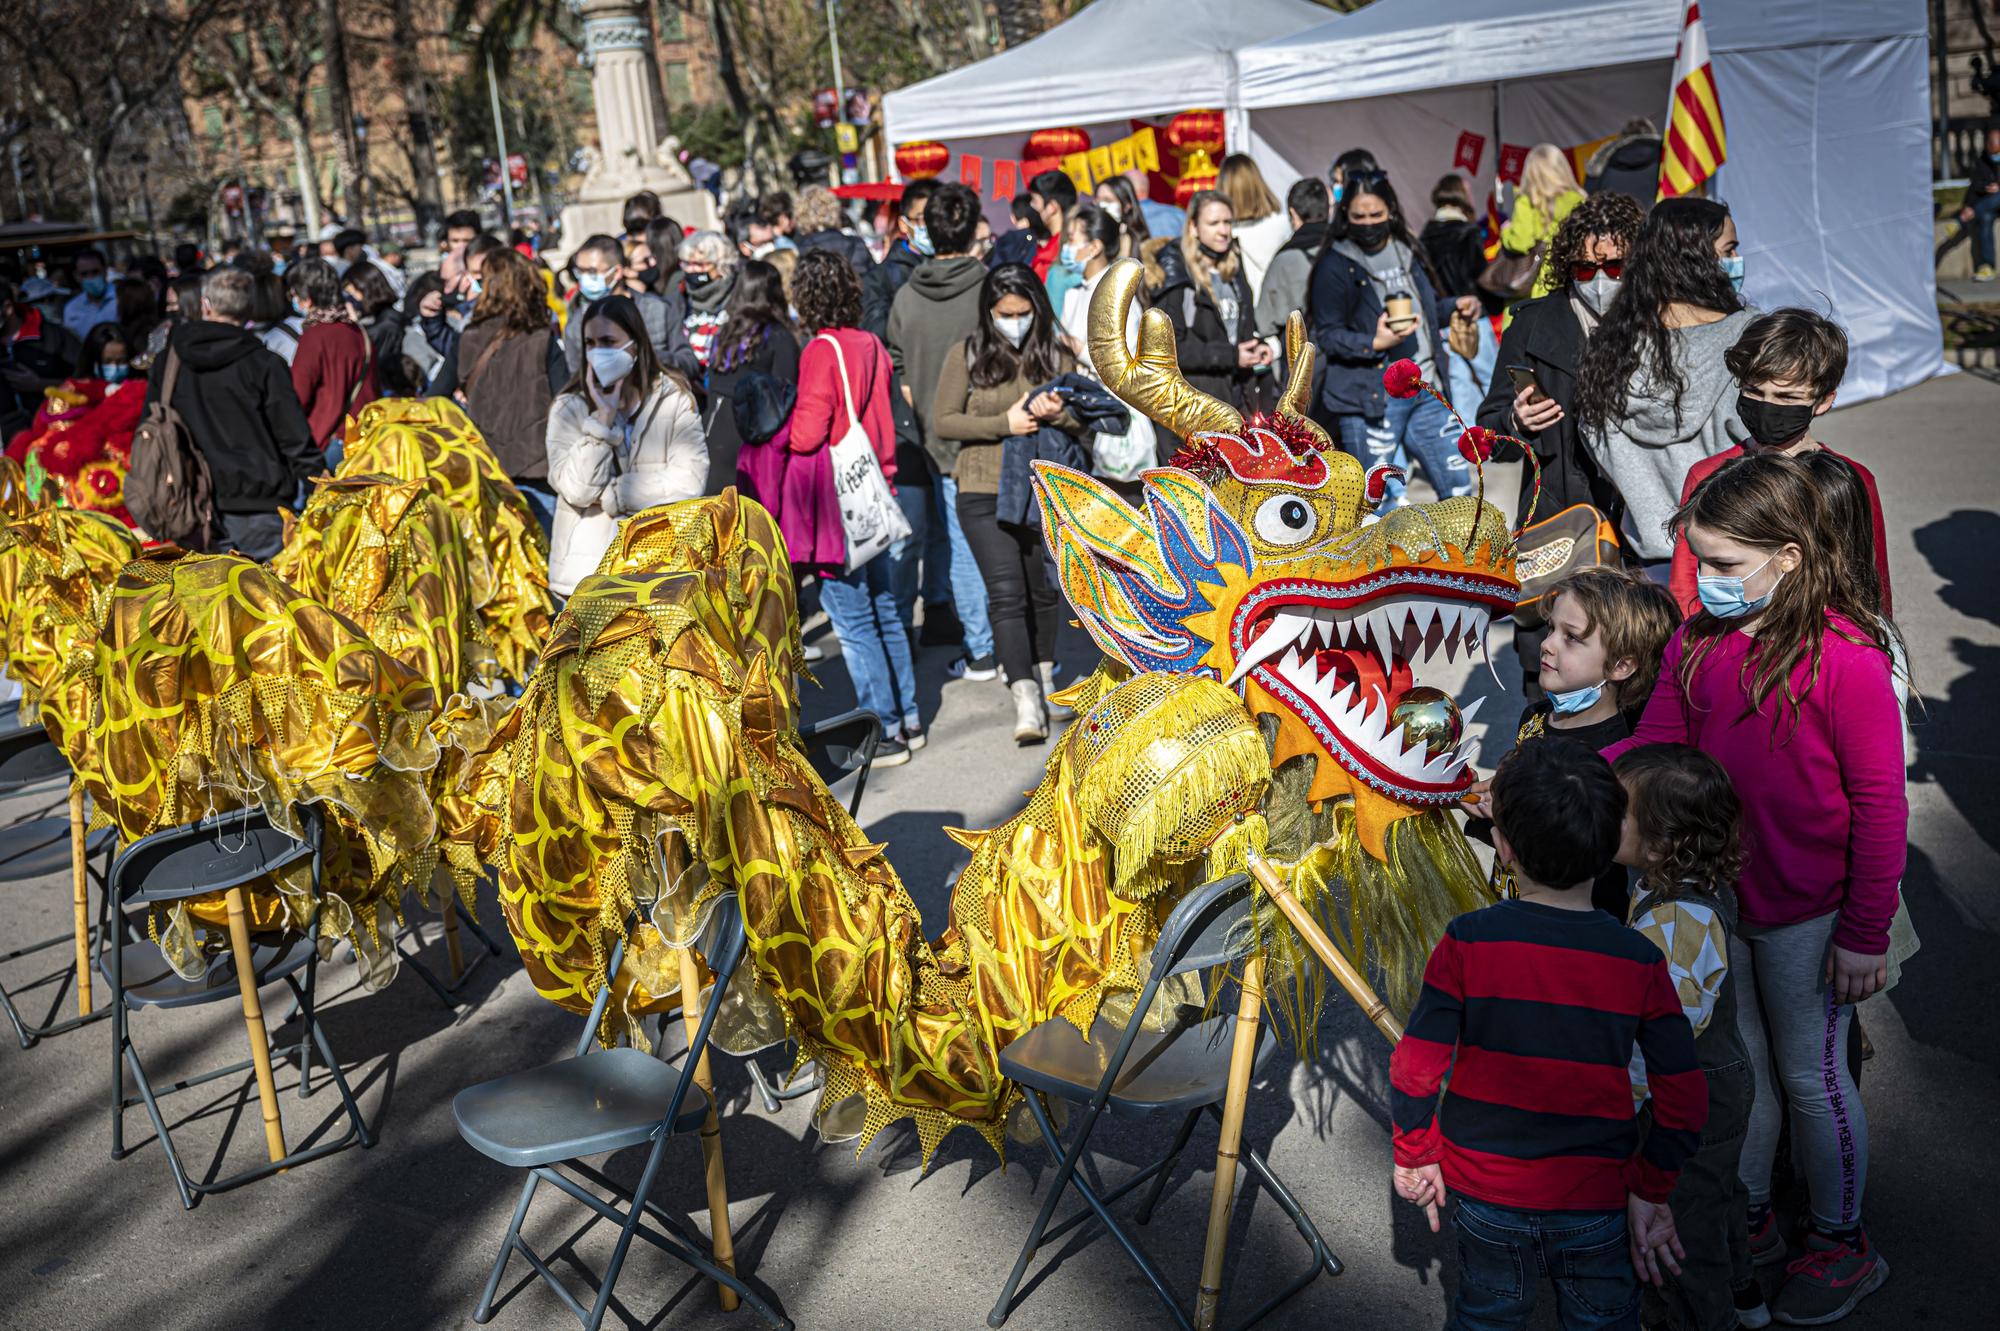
1695 144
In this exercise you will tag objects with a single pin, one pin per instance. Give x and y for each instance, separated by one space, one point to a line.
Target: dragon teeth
1285 632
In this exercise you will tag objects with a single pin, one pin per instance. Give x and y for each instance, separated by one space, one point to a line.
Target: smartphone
1524 379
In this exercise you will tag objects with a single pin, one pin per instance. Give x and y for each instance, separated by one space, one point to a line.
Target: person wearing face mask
756 340
1789 364
986 393
623 435
1786 677
1205 293
1118 459
333 371
908 249
83 432
1654 395
1119 200
1369 262
601 270
709 263
1597 665
94 302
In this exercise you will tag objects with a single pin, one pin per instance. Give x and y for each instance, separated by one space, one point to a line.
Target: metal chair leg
1065 1167
484 1312
1144 1214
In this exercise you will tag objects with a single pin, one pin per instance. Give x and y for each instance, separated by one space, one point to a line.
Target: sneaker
1984 273
980 668
814 653
891 753
913 736
1045 673
1767 1242
1750 1309
941 626
1824 1282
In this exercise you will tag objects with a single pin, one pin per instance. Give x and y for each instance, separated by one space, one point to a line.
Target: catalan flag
1489 229
1695 144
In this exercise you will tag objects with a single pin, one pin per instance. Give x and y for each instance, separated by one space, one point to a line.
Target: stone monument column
633 150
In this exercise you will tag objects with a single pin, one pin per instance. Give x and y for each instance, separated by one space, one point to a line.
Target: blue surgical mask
95 287
1576 700
920 240
1724 598
473 286
278 265
592 286
1068 256
1732 268
113 373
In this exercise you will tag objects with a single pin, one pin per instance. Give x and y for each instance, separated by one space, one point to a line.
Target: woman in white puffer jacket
624 436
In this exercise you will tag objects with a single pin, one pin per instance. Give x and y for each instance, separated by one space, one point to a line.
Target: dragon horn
1152 380
1296 399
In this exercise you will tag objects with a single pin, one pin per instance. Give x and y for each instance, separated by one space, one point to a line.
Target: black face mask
1370 236
1773 424
1214 255
696 281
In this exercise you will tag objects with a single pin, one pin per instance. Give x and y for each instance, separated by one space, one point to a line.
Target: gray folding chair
452 916
1135 1072
33 850
179 863
600 1101
836 747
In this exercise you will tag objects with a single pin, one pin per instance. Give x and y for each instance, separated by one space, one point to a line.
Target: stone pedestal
634 151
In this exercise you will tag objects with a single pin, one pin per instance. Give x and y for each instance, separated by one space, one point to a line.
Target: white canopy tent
1114 60
1826 102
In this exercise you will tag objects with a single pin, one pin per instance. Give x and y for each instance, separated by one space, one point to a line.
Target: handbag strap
171 377
840 362
486 356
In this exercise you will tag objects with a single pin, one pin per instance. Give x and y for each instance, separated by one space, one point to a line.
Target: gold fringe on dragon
1263 633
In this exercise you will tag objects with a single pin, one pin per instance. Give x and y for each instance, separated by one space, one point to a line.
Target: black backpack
168 488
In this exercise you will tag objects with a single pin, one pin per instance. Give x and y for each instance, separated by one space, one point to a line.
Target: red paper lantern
921 159
1055 143
1195 139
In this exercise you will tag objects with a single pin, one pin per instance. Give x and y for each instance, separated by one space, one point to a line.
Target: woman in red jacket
333 371
844 379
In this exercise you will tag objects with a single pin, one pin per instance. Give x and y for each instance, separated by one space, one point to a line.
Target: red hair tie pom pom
1403 379
1377 484
1476 444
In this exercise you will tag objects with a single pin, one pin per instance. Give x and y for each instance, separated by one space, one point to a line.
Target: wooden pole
1222 1196
452 950
711 1135
253 1021
1351 979
79 896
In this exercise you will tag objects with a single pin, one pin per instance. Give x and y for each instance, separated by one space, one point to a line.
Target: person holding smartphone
1533 392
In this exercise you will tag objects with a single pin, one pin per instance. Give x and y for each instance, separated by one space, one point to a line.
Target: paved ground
400 1236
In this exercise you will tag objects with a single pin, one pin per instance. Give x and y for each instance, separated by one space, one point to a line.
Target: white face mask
612 364
1110 208
1016 329
1598 293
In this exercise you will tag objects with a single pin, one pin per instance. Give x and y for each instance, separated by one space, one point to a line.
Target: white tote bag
869 514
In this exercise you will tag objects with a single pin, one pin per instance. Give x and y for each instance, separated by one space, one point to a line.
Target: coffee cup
1402 310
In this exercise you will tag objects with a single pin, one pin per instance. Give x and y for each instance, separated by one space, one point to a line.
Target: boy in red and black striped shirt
1532 1007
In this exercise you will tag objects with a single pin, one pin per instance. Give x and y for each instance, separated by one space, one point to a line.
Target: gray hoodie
936 308
1648 455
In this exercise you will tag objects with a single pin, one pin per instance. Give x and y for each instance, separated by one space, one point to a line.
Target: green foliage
710 131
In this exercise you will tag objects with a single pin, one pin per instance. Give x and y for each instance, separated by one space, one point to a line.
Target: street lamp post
500 139
361 162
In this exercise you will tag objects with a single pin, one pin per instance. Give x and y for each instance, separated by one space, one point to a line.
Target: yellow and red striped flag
1695 145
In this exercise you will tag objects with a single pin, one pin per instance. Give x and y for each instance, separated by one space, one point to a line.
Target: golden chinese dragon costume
1262 632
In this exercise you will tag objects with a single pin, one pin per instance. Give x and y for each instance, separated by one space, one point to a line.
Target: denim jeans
1416 425
968 589
1984 209
874 636
541 502
1503 1256
255 536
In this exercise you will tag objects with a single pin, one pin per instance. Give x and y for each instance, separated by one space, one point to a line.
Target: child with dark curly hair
1681 837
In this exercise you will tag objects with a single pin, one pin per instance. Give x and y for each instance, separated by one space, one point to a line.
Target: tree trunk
308 179
340 97
93 171
426 187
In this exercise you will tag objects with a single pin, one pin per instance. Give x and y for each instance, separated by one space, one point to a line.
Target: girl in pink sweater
1783 676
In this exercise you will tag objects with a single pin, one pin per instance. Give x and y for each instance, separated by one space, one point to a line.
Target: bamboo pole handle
711 1135
1351 979
253 1021
452 950
1222 1195
79 895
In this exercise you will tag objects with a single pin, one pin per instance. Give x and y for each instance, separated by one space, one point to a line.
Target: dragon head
1258 561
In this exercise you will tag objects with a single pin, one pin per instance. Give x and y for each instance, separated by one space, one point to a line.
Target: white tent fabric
1115 59
1826 103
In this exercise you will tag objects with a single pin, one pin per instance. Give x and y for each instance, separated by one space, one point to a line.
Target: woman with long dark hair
623 436
1653 395
986 394
755 338
510 367
429 340
1370 263
1116 197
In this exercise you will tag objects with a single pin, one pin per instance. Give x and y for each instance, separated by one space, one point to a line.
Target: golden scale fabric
506 554
220 686
390 556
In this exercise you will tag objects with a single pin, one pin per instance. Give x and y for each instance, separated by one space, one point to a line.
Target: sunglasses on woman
1611 268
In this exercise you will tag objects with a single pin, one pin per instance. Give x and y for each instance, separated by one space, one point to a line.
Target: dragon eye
1285 520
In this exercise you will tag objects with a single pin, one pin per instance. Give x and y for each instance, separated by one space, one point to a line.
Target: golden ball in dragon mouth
1429 717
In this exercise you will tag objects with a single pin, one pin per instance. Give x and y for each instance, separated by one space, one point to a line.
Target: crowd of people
1736 661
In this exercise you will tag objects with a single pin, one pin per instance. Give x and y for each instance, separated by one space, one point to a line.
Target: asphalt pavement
402 1235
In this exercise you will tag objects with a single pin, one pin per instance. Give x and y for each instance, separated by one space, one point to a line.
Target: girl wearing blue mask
1784 676
1599 659
624 435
